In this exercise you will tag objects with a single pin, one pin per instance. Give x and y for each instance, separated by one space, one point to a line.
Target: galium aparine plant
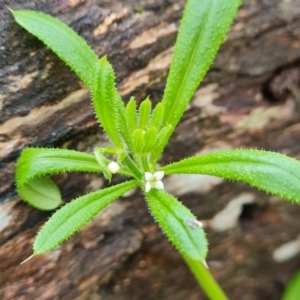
139 136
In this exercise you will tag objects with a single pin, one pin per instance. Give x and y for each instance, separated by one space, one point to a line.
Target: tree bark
250 98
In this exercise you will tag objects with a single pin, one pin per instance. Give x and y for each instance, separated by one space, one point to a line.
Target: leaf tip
104 58
12 12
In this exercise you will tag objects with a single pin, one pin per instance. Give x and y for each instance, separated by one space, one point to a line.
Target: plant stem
132 167
206 280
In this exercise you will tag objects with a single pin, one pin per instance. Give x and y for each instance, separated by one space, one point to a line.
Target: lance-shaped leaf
157 116
130 123
202 30
150 137
175 221
71 217
35 163
122 122
70 47
160 143
144 113
62 40
138 139
131 116
271 172
106 100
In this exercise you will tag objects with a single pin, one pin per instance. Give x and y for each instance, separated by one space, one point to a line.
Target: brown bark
249 99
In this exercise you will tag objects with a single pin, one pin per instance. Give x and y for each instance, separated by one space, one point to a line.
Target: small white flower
113 167
154 181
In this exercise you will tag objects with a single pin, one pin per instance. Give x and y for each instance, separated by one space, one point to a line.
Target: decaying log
249 99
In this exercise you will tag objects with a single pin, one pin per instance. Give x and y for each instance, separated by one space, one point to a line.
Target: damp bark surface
250 98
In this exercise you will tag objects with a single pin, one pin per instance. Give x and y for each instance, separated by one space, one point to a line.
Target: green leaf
75 52
106 100
160 143
149 140
71 217
131 115
157 116
174 219
203 28
144 113
41 193
62 40
271 172
138 140
131 120
292 291
35 163
122 120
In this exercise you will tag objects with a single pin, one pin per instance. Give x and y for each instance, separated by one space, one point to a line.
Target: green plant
292 290
139 137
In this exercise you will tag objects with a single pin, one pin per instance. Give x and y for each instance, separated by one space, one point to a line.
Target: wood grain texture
249 99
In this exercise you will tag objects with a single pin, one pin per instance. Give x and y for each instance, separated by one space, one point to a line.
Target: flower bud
113 167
